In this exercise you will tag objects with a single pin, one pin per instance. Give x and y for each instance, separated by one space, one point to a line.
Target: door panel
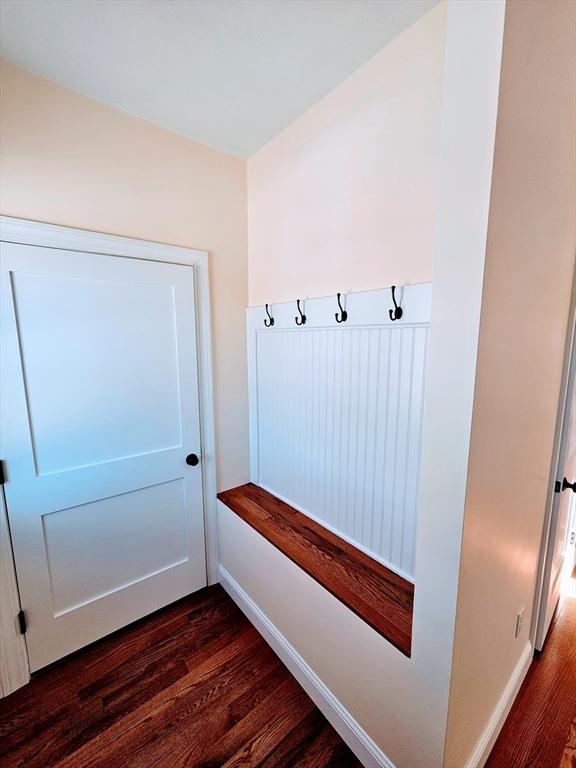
59 357
100 409
78 540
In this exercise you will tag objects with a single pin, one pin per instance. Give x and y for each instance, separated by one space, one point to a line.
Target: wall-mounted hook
302 319
270 320
343 314
396 313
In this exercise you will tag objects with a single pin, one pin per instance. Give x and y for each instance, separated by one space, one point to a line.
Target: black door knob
192 460
566 485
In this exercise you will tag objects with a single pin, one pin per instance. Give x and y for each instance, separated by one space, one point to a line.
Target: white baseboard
365 749
494 726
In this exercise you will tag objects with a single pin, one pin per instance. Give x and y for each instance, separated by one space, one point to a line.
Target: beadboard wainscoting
336 414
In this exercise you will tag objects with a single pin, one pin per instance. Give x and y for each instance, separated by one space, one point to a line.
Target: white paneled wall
336 415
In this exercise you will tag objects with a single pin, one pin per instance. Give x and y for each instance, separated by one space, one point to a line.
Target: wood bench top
376 594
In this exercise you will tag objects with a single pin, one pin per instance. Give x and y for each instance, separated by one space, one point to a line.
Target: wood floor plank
190 731
288 713
235 739
379 596
152 635
192 685
107 702
312 744
569 755
326 751
292 749
179 701
537 729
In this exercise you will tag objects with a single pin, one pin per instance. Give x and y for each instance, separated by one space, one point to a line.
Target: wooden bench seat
380 597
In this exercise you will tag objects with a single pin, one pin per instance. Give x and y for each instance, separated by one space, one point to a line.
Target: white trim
14 230
538 625
14 668
207 430
365 749
490 733
13 665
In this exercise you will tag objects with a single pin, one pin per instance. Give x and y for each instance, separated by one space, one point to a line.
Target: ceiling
227 73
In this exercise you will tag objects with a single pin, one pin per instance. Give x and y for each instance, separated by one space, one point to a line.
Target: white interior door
99 411
562 513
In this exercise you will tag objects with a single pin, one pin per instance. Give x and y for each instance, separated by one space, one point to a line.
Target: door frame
14 667
540 600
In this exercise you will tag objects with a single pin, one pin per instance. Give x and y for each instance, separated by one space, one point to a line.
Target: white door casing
107 520
563 503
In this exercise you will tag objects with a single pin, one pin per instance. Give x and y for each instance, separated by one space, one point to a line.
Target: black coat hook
270 320
343 314
302 319
396 313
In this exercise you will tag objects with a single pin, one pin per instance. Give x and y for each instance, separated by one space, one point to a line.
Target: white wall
402 704
528 281
344 198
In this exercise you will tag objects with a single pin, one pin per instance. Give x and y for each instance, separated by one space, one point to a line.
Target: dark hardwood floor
192 685
375 593
540 731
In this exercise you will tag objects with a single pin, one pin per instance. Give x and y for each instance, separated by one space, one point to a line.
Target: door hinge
22 622
557 486
2 475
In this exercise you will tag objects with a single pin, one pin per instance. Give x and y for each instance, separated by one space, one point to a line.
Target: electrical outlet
519 622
